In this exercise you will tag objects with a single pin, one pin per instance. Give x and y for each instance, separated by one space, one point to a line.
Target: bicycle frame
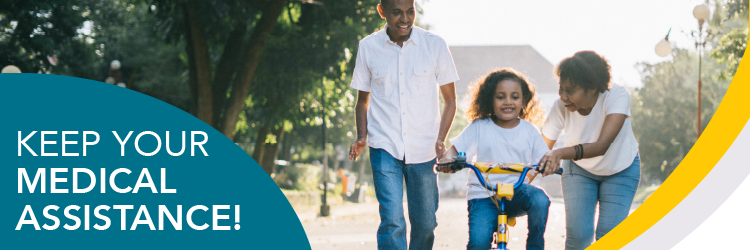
503 191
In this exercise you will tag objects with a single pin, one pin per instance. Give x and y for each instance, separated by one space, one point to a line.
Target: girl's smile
507 103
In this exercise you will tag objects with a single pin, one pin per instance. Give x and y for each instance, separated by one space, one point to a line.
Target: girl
601 155
501 131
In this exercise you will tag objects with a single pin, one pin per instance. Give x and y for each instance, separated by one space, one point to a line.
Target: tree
33 32
731 46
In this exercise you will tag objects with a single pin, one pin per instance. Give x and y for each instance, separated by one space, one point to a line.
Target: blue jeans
389 175
582 191
527 200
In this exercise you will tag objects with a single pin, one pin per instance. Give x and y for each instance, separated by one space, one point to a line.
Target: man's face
399 15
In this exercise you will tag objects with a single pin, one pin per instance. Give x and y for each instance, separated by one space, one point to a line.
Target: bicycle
503 191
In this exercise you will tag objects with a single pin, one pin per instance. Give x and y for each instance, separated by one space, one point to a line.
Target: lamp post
325 210
701 13
663 48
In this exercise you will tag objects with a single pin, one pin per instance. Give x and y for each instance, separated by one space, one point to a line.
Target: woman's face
508 102
576 98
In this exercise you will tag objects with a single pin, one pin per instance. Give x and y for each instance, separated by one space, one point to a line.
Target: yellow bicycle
503 191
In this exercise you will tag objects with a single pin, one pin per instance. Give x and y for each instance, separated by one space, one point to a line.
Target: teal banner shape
109 170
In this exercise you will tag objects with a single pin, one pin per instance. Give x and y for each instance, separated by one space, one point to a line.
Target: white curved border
702 202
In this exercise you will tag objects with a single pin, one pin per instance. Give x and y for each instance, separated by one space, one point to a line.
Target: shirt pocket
424 77
380 82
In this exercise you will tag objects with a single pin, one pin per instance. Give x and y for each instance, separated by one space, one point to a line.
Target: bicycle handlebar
460 163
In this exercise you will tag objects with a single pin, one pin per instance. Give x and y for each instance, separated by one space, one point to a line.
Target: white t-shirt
404 117
491 143
586 129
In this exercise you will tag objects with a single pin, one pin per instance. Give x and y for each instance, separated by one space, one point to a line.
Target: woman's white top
586 129
491 143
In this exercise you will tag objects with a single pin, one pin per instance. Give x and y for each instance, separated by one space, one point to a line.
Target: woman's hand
550 162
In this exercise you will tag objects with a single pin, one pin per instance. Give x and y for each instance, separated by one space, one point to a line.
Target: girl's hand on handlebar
550 162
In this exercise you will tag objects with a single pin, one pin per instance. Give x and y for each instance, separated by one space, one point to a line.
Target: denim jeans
527 200
582 191
389 175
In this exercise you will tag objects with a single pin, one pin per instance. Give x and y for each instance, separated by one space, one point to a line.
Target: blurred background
273 76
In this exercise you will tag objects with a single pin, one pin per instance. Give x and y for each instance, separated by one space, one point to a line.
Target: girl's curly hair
483 95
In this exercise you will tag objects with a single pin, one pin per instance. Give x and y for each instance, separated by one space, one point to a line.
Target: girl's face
576 98
508 103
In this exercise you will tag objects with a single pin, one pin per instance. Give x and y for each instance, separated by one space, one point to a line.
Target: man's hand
439 149
357 148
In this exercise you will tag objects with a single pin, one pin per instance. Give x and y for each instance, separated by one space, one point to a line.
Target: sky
624 32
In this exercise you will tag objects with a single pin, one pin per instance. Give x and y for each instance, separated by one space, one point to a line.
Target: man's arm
360 111
448 91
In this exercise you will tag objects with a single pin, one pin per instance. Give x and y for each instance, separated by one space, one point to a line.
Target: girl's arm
448 157
612 125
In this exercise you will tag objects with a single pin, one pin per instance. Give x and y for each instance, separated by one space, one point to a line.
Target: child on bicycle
502 114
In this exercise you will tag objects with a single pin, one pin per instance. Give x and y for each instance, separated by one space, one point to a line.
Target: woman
601 155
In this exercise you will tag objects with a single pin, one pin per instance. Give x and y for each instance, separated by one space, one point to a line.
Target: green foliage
33 33
303 177
124 31
310 57
731 45
729 50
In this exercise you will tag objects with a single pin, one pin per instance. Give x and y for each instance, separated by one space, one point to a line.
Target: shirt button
402 93
401 73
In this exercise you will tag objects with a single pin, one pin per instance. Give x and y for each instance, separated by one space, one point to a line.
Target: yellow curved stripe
725 126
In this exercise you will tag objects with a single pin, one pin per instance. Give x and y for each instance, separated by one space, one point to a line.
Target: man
398 72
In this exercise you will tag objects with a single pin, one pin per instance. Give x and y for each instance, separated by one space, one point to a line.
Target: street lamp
11 69
325 209
663 48
701 13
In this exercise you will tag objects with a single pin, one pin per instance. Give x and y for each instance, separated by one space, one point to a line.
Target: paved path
354 226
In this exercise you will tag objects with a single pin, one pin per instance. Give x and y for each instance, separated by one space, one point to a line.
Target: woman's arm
612 125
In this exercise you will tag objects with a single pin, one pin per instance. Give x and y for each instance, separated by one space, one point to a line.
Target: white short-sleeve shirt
403 117
491 143
586 129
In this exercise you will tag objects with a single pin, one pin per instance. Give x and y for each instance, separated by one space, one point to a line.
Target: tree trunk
271 151
193 76
241 88
260 144
286 146
225 70
202 68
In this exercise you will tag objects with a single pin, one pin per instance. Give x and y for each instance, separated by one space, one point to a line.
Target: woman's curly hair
483 95
586 69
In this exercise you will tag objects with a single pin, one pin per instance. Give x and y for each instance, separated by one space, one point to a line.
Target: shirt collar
415 37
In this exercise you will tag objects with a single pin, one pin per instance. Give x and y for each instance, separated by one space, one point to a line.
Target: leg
616 194
580 192
422 197
482 223
387 174
534 202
